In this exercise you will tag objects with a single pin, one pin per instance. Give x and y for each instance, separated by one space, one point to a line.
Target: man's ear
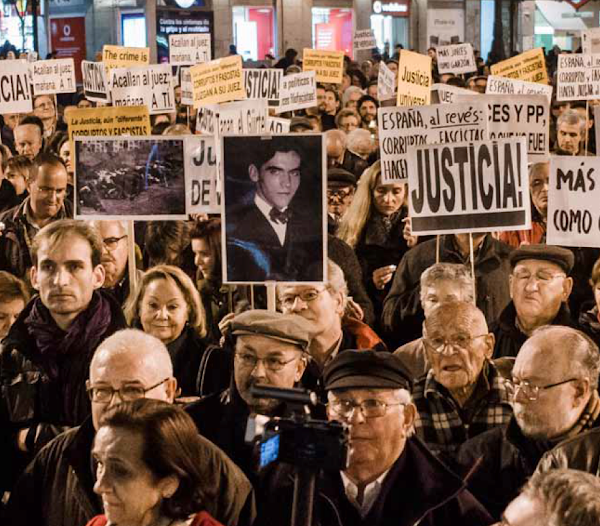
33 277
171 388
253 173
491 342
567 288
510 285
99 274
410 413
582 390
302 363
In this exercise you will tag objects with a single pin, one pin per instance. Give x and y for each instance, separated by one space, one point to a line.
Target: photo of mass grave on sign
135 178
273 194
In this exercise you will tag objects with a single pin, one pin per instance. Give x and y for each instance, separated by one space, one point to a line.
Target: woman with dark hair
168 243
150 467
13 298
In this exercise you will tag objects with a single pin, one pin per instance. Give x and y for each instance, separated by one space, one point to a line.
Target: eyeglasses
271 363
111 242
371 408
127 393
306 296
456 343
541 276
339 194
531 392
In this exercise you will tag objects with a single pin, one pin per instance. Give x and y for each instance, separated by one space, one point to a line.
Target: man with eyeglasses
57 487
341 185
462 395
47 186
391 478
553 391
540 287
269 348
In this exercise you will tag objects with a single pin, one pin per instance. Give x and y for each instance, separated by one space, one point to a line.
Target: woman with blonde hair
167 305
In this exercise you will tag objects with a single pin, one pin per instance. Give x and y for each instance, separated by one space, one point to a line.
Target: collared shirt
265 208
369 496
443 425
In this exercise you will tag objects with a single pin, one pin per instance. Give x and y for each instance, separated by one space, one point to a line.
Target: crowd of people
467 389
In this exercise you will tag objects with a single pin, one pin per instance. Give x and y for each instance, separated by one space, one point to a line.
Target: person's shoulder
200 519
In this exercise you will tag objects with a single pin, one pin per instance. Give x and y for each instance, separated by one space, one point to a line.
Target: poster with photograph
274 208
130 178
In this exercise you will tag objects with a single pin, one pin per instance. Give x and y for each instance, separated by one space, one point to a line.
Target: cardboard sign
187 91
201 180
364 39
578 77
524 116
124 57
414 79
573 196
446 94
298 91
590 41
243 117
217 81
188 49
275 125
15 92
263 84
94 81
53 76
327 65
144 85
402 129
469 187
529 66
107 121
386 83
456 59
206 119
505 86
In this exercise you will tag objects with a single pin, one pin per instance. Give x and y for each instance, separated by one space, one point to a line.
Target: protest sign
124 57
386 82
138 178
597 126
187 92
201 176
297 91
590 41
573 197
457 59
524 116
243 117
15 92
414 79
107 121
327 65
217 81
529 66
53 76
276 126
263 84
578 77
188 49
206 119
401 129
447 94
149 85
364 39
94 81
469 187
505 86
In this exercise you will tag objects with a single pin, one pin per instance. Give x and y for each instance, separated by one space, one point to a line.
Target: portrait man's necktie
277 216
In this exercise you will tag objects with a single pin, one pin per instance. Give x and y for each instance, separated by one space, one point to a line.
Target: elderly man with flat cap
539 289
268 348
391 477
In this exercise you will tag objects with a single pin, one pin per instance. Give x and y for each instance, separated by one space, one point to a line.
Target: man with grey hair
439 283
563 497
554 396
57 487
570 134
391 477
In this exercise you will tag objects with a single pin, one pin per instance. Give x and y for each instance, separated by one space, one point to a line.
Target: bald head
457 313
335 141
132 358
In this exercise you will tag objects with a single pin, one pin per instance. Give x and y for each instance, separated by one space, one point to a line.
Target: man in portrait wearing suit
273 237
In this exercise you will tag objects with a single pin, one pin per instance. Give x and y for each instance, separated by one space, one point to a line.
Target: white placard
275 125
402 129
386 83
263 84
573 196
201 170
53 76
150 85
447 94
244 117
297 92
507 86
578 77
364 39
187 90
469 187
457 59
206 119
15 91
188 49
94 81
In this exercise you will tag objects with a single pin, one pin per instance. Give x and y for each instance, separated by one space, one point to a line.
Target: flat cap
562 257
300 122
353 369
289 328
340 176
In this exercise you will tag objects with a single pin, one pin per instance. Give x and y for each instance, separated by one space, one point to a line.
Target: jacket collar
508 318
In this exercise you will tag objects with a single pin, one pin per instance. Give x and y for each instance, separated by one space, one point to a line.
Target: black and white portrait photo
274 208
136 178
